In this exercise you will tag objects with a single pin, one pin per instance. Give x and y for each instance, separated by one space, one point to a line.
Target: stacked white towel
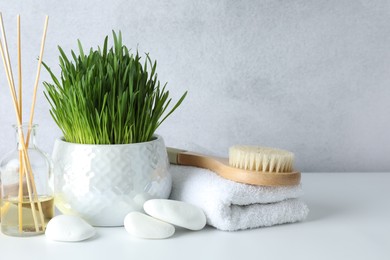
233 206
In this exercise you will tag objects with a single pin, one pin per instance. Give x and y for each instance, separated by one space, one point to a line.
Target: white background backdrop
312 77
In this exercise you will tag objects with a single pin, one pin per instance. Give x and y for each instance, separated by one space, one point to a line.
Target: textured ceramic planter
102 183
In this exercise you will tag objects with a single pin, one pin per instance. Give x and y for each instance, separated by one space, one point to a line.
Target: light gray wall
309 76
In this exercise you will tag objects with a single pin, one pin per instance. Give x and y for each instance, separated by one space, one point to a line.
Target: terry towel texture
233 206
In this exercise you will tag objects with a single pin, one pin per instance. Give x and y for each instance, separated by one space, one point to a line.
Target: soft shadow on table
181 232
91 239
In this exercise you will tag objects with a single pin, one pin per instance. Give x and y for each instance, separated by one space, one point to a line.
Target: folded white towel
233 206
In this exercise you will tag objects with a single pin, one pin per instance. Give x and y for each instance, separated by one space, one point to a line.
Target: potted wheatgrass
108 104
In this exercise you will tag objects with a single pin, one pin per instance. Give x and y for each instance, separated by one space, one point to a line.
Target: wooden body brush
246 164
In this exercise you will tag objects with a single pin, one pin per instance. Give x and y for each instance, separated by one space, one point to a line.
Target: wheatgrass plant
107 96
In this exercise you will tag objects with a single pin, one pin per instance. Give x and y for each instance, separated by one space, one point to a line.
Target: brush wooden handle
221 167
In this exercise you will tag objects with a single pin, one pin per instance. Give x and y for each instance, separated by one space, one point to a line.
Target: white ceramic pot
102 183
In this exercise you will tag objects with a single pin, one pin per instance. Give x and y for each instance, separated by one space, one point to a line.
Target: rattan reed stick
20 80
8 62
20 84
37 81
33 109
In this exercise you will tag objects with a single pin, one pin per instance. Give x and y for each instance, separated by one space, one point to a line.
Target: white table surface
349 219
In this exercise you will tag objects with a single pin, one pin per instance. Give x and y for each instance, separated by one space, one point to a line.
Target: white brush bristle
262 159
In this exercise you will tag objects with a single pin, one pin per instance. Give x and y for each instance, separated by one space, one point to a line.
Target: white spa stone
69 229
177 213
144 226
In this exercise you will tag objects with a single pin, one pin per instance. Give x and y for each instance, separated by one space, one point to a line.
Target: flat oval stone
177 213
144 226
69 229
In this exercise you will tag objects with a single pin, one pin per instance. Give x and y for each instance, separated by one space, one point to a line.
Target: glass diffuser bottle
26 197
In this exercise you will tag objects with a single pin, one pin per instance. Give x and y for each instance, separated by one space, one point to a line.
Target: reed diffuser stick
20 83
20 102
37 80
7 53
33 109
